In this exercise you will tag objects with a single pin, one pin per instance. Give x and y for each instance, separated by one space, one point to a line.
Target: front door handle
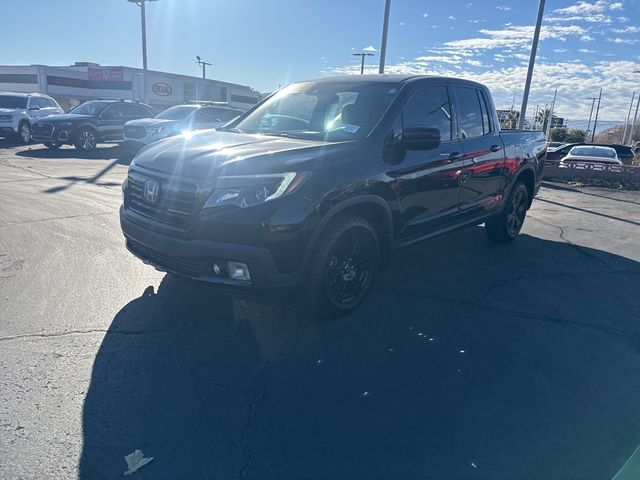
495 148
455 156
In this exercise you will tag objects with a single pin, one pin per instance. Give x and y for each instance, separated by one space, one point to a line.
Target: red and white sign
162 89
109 74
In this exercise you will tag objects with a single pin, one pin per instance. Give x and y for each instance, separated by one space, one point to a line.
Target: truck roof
391 78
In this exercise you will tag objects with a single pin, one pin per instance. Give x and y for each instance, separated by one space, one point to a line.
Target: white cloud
475 20
586 50
504 8
616 6
625 41
474 63
623 19
629 29
425 14
559 50
370 48
586 38
402 24
451 17
468 5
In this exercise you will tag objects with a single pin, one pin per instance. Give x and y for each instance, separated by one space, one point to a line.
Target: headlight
250 190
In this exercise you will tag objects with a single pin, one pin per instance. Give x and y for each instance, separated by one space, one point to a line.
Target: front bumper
195 259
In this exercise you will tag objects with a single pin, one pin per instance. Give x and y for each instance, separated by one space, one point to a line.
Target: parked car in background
591 154
88 124
625 153
178 119
317 186
18 111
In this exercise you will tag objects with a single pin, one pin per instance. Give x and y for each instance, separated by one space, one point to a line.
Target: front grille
192 268
174 205
42 130
133 131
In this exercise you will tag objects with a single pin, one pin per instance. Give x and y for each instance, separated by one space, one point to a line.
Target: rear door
484 159
426 181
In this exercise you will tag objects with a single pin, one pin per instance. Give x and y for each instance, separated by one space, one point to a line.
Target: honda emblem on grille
151 190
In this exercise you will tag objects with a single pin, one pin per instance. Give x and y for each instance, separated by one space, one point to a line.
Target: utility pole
595 122
532 61
363 54
632 134
553 107
143 21
203 64
626 123
593 103
385 31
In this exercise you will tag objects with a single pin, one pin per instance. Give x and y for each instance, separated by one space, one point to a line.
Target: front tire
24 133
343 266
505 226
86 140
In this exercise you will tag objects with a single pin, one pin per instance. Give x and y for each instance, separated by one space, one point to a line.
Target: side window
136 111
469 113
429 107
52 103
42 102
115 110
486 118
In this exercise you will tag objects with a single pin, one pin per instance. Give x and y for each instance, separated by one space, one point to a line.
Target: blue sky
266 43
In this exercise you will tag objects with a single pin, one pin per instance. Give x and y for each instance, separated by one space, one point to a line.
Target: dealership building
74 84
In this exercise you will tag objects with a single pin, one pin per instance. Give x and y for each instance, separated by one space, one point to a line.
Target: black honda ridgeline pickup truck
318 184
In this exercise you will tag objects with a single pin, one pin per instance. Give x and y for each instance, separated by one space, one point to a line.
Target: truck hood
208 154
66 117
5 111
153 122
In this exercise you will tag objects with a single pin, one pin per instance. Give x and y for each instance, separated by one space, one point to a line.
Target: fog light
238 271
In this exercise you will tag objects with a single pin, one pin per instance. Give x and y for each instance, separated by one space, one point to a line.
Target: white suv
19 110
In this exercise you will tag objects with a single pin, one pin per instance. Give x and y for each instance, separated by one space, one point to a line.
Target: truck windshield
321 110
90 108
12 101
176 113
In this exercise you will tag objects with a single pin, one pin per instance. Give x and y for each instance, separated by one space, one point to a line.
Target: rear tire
505 226
86 139
343 266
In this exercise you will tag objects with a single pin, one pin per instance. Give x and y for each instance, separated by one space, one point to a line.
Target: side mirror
420 138
34 107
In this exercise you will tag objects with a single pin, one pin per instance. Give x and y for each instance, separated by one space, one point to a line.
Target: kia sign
162 89
109 74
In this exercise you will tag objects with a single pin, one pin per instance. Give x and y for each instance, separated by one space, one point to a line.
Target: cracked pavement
478 361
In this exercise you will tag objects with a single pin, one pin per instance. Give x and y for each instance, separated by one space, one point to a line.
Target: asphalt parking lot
469 360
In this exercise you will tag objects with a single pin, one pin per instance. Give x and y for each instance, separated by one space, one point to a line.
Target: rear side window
136 111
486 118
429 107
469 112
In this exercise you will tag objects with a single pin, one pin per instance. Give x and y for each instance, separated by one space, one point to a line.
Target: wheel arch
370 207
528 177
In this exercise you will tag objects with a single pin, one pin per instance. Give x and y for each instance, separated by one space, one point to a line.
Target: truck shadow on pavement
467 361
122 154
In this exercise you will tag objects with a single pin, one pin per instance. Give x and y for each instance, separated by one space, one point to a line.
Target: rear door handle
455 156
495 148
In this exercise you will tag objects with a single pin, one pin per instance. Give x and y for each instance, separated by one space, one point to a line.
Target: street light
141 3
363 54
203 64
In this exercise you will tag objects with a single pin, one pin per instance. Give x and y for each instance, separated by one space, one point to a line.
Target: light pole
143 21
203 64
532 61
363 54
593 104
626 123
385 31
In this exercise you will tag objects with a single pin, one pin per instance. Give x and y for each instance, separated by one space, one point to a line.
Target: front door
484 157
427 180
111 121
